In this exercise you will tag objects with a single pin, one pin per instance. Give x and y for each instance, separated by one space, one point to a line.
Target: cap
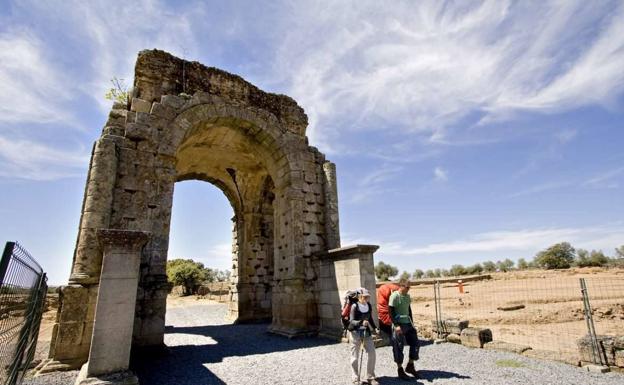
365 293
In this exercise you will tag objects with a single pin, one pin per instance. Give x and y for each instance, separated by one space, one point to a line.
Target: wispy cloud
374 184
24 159
540 188
427 67
600 237
33 89
440 174
605 179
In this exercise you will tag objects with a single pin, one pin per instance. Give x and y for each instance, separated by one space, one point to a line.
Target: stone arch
188 121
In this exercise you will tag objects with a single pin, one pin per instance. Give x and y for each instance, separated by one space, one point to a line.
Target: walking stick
361 355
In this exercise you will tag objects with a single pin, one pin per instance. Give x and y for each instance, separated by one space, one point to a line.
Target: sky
462 131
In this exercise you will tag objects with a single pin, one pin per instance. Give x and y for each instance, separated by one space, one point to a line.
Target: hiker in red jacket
383 295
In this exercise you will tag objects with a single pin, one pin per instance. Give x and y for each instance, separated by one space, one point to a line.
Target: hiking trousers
369 346
409 337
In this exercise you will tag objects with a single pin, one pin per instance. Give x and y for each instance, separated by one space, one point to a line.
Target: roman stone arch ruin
190 122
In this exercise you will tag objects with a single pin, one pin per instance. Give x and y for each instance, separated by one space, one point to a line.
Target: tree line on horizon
558 256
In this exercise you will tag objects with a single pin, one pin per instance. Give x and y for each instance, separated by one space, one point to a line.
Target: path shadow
385 380
428 375
184 364
431 375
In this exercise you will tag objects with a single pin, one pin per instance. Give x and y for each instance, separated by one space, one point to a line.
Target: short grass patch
509 364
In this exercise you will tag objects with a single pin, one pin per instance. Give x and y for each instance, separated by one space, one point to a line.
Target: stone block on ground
506 347
450 325
475 337
596 368
619 358
606 346
454 338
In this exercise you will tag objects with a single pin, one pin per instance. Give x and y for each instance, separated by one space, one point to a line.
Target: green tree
186 273
457 270
418 274
582 258
619 252
384 271
597 258
558 256
505 265
445 273
405 275
477 268
437 273
489 266
522 264
221 275
429 274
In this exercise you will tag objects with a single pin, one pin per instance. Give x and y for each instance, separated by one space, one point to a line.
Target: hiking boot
402 374
411 370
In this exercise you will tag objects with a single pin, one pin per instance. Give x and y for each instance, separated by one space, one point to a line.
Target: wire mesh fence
23 290
543 310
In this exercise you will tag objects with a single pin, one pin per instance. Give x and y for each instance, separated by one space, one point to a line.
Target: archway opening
220 152
201 230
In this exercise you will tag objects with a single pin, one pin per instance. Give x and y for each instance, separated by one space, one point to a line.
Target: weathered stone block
475 337
506 346
451 325
137 131
619 358
454 338
606 348
140 105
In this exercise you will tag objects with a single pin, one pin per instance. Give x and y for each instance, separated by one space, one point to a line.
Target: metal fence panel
542 310
23 287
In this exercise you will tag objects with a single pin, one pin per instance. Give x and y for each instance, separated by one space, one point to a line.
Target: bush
558 256
383 271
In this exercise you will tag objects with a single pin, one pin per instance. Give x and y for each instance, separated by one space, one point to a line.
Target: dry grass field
552 318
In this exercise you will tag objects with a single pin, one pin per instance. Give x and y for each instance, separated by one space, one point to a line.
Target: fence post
438 308
6 257
597 352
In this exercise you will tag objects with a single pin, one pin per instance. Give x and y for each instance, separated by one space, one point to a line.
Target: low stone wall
215 291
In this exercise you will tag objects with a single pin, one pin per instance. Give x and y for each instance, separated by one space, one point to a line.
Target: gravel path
204 349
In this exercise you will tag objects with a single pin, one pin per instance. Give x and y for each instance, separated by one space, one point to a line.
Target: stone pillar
340 270
109 356
332 229
96 212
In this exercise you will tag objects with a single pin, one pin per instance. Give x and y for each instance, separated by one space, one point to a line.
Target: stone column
96 212
332 229
109 355
340 270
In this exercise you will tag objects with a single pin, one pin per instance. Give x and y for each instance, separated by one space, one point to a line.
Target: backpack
350 298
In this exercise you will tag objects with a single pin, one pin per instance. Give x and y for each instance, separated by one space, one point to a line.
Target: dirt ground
552 317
